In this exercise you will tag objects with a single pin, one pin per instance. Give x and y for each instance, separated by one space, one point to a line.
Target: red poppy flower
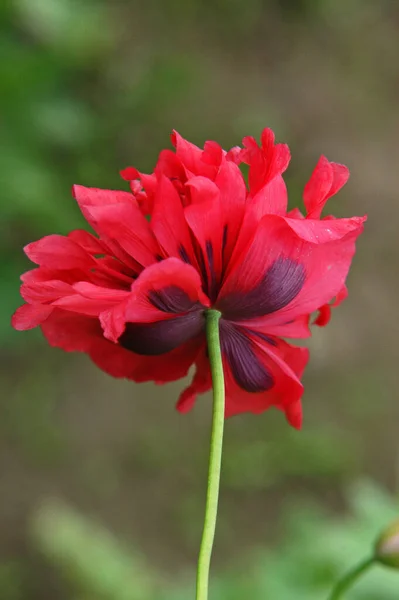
134 298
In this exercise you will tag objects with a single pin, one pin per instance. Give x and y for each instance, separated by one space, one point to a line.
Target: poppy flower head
134 295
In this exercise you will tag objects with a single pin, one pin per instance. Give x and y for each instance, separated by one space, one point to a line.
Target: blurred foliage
90 556
316 549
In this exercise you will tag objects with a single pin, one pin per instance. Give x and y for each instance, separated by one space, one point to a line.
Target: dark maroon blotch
153 339
246 368
212 284
266 338
202 266
281 283
172 299
184 255
224 239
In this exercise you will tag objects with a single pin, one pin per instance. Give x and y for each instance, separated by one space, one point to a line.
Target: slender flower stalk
215 459
350 578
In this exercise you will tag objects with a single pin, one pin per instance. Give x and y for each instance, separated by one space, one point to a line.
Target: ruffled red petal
289 276
76 333
29 316
285 364
326 180
169 224
117 217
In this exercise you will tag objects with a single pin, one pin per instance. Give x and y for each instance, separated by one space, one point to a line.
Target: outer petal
283 276
58 252
170 165
272 198
166 296
326 230
116 216
45 291
88 241
296 328
88 299
285 364
265 162
326 180
213 154
192 157
146 297
324 315
29 316
76 333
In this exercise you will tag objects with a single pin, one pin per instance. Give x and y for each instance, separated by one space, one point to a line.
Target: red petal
235 155
324 316
298 328
341 296
113 321
326 230
233 193
326 180
76 333
169 367
97 197
265 162
169 224
58 252
84 306
96 292
91 300
286 364
170 165
272 198
191 156
45 291
88 241
295 213
325 265
29 316
205 219
129 174
213 154
120 220
169 272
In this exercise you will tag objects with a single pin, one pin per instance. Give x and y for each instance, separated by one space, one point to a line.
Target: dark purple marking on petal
262 336
281 283
172 299
212 283
204 275
224 239
159 257
246 368
184 255
154 339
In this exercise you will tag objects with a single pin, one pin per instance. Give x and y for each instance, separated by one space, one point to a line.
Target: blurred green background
102 482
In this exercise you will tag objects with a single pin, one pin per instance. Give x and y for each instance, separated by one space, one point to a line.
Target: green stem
346 582
215 457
